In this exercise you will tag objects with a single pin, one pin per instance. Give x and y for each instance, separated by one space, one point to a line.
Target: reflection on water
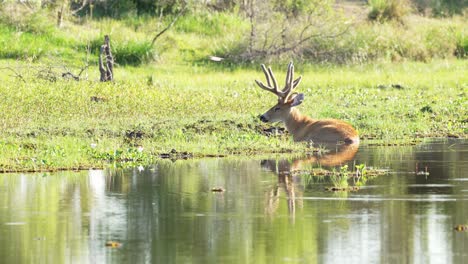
167 213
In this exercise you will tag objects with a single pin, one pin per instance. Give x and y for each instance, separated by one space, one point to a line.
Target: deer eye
277 109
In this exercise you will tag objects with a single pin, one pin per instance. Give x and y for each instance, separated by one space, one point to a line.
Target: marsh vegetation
396 81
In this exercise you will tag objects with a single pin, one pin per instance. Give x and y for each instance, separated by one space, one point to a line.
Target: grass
206 111
170 99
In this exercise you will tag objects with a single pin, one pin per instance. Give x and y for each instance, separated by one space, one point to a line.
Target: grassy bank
201 111
394 81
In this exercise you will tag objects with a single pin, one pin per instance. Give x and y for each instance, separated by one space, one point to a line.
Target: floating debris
461 228
113 244
217 189
174 155
342 189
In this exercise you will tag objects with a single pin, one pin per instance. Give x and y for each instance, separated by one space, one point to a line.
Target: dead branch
83 5
69 74
49 73
273 37
168 26
16 74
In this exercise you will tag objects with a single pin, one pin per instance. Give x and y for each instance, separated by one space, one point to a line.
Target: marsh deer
303 128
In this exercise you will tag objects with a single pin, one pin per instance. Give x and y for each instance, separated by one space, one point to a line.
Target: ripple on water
384 199
15 223
459 179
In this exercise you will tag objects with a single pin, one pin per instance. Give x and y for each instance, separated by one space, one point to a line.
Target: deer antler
290 84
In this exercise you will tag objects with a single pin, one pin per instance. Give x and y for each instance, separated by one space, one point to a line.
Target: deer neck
296 121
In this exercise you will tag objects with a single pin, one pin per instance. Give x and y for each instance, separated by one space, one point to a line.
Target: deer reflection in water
289 183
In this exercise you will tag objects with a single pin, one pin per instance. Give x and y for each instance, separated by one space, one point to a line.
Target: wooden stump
107 69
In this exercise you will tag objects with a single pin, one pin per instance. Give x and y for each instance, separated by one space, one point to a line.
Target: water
167 213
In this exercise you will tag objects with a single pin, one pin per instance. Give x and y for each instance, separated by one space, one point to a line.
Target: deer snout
263 118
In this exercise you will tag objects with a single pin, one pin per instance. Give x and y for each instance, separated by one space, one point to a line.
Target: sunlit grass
207 111
175 98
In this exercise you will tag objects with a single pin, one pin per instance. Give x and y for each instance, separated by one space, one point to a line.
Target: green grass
207 111
195 36
171 96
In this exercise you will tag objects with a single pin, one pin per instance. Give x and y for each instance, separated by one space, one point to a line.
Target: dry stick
68 73
17 75
82 70
168 27
80 8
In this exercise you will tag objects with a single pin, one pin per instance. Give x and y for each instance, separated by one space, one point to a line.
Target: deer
324 132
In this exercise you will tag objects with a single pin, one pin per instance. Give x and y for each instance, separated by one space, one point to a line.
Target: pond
266 210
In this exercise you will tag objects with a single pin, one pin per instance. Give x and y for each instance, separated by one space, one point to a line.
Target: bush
133 53
461 50
208 24
382 10
26 20
421 40
127 52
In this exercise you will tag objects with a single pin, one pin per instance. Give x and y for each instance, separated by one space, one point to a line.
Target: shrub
461 50
382 10
26 20
127 52
133 53
208 24
422 40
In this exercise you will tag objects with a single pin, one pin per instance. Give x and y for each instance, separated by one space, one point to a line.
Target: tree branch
83 5
168 26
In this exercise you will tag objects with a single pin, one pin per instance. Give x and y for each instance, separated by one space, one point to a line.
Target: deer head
287 99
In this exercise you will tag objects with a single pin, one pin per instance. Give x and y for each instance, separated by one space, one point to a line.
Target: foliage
441 8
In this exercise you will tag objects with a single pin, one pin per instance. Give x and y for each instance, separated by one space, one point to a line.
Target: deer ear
297 100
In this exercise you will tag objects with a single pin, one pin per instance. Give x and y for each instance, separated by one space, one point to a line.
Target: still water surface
167 213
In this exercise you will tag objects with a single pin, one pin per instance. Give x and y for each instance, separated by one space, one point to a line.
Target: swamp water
267 213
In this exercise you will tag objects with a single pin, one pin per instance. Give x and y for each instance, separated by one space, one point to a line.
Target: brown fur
304 128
